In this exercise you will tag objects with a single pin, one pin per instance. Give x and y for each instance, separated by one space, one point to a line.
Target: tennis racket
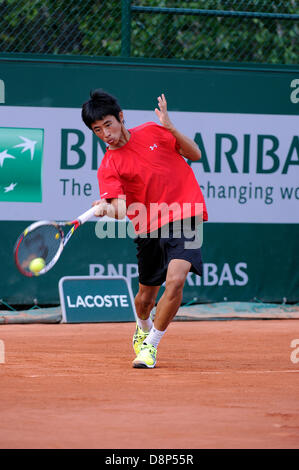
46 240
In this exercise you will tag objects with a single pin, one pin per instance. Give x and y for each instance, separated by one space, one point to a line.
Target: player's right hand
101 208
115 208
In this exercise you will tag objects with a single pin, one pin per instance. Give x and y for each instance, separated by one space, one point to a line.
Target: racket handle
86 215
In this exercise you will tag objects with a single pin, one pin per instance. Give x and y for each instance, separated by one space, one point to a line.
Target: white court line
252 372
200 372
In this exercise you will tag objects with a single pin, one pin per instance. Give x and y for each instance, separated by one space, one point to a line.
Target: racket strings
42 242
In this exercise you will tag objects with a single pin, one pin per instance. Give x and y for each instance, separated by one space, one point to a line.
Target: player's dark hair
101 104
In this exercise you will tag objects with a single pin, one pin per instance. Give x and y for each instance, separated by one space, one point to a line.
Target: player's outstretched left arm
188 147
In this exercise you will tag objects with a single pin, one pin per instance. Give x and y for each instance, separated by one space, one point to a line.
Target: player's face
109 130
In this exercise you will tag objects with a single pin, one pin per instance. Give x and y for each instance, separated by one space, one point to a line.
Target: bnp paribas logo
21 152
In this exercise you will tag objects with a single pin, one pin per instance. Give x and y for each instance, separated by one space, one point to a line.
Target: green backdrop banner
209 87
241 262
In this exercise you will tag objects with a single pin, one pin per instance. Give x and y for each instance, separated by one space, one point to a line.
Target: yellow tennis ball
36 265
57 236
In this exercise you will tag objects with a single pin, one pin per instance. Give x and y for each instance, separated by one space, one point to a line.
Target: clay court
217 384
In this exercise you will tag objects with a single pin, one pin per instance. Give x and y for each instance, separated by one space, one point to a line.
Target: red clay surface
217 384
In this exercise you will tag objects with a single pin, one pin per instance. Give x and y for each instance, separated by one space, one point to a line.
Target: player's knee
175 284
145 301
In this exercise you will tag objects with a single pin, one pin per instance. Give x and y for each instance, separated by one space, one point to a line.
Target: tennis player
143 175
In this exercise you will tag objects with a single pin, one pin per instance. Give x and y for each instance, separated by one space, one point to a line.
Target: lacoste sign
93 299
21 155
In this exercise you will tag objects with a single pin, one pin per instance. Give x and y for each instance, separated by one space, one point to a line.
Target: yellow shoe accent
138 338
146 358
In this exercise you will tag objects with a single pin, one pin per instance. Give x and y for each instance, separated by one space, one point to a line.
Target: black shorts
154 252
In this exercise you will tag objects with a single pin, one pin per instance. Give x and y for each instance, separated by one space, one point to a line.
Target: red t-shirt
158 184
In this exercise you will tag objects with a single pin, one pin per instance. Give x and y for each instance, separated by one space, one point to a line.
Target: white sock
145 325
154 337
